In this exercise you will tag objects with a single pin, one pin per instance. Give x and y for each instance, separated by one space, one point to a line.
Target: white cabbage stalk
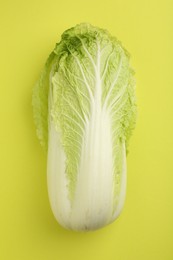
85 110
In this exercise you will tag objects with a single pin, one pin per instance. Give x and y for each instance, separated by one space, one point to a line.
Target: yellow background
28 230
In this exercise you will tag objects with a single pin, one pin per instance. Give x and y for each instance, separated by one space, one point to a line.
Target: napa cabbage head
85 110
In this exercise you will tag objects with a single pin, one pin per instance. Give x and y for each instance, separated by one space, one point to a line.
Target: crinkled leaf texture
85 110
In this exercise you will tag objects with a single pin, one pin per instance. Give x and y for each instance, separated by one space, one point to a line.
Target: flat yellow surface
28 230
